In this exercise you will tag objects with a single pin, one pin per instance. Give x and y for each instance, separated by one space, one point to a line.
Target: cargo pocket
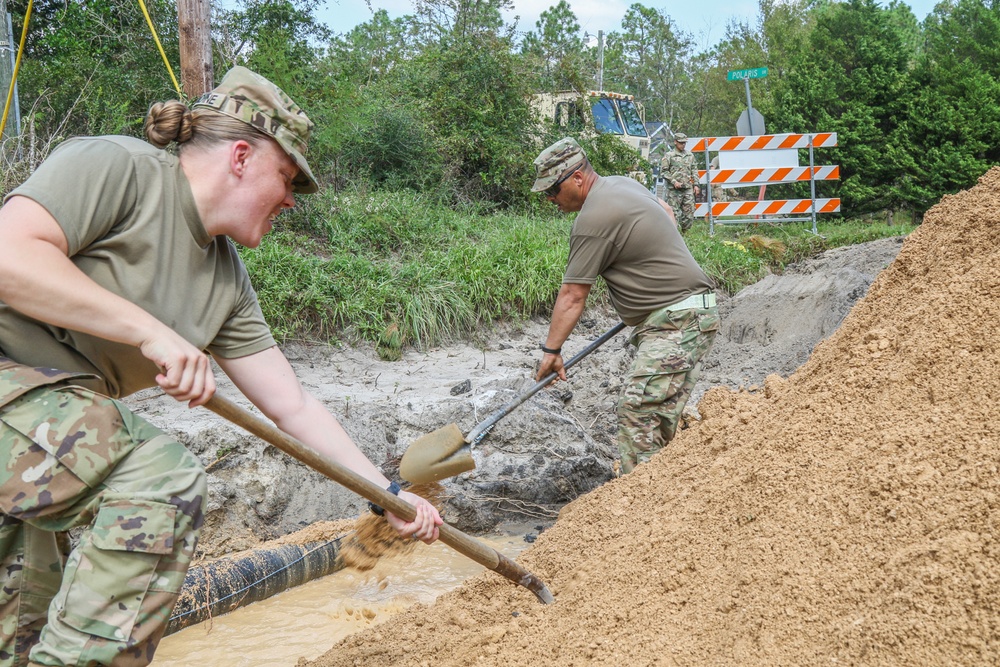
709 321
651 391
81 429
111 571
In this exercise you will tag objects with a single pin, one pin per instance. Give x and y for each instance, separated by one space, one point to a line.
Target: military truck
597 110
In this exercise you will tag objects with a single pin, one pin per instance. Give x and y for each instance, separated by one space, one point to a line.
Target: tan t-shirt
624 235
132 226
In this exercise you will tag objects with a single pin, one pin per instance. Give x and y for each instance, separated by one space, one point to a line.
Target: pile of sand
846 515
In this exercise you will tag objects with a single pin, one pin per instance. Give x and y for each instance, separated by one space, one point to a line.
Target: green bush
392 146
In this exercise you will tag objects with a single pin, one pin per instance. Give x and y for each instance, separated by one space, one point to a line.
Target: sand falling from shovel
374 539
845 515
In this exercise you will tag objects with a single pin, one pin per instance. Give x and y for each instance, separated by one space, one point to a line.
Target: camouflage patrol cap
249 97
556 160
680 137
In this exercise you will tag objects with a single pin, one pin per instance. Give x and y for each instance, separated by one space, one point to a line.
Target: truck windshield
605 119
633 122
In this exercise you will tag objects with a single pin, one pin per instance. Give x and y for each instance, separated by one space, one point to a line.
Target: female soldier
117 267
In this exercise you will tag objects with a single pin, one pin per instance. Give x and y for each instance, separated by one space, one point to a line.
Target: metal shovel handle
454 538
482 428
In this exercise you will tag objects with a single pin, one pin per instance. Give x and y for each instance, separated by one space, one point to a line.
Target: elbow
574 296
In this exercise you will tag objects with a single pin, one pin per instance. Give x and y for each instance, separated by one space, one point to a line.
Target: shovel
454 538
446 452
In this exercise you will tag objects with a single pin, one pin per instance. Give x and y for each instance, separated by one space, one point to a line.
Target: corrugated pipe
230 583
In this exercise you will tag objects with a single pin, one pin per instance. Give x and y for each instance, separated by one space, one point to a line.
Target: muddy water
306 621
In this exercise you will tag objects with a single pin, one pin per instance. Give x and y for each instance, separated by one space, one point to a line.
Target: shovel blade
438 455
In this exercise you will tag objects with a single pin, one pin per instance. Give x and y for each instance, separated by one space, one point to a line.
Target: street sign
751 122
755 73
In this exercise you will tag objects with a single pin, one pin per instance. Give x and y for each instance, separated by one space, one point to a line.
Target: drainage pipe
226 584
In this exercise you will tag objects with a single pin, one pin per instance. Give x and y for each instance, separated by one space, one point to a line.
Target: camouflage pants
719 194
670 346
71 458
682 201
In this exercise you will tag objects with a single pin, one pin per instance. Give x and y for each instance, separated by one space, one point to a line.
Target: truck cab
600 111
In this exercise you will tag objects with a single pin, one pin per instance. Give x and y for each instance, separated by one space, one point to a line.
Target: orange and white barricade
744 162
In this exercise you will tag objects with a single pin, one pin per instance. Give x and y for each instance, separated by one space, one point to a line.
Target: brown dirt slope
847 515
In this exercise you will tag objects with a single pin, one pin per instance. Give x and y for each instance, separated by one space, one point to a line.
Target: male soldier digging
624 234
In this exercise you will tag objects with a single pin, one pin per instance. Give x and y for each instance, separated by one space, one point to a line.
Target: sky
705 19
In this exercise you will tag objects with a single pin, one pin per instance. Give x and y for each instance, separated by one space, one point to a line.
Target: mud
845 515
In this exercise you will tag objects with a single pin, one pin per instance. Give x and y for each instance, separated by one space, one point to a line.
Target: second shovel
446 452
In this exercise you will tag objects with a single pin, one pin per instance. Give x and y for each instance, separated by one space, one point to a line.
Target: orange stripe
730 145
722 176
802 206
835 173
780 173
751 175
790 141
699 146
832 205
820 139
745 208
760 142
775 206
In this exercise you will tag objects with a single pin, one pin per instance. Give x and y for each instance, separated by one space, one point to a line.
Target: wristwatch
394 489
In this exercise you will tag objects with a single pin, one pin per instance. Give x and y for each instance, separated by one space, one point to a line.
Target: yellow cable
160 47
17 66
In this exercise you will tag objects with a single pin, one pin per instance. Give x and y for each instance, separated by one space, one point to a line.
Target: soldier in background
680 177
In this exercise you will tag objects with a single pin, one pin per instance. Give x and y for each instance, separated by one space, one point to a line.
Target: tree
853 79
461 21
93 67
649 59
373 49
955 123
558 48
266 35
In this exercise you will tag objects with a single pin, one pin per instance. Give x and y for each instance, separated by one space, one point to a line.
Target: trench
304 620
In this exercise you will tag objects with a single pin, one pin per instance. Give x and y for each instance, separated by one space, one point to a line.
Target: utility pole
7 56
195 29
600 60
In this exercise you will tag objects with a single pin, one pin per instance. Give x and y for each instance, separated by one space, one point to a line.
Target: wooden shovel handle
454 538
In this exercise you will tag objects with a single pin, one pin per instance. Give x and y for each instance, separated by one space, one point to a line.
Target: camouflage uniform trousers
670 348
719 194
682 201
71 458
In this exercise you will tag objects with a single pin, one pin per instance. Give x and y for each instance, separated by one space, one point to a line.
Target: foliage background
436 101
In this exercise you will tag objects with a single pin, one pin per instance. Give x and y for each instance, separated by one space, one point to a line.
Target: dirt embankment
846 515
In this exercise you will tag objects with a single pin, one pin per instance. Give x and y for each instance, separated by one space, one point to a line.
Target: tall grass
398 269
